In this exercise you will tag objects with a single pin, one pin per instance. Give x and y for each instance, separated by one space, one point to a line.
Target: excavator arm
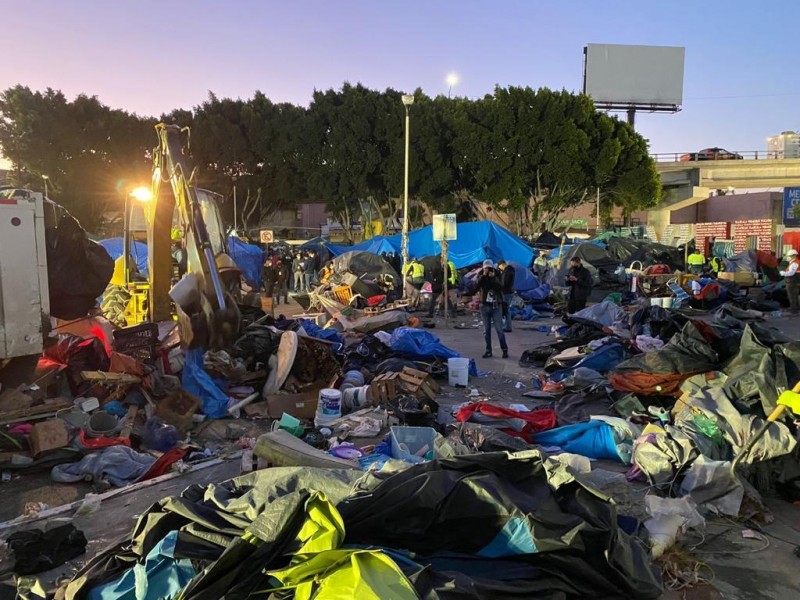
207 314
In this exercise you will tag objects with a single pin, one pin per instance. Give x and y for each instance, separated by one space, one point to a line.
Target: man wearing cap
491 291
792 278
579 280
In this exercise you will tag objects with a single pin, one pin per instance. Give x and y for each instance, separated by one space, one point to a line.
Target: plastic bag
669 517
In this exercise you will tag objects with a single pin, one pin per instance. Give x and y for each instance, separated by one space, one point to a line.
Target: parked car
712 154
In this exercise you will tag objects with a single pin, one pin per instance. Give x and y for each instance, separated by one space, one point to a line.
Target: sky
741 72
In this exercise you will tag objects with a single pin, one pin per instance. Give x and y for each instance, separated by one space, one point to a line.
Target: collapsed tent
363 265
627 251
547 239
248 258
493 525
594 258
376 245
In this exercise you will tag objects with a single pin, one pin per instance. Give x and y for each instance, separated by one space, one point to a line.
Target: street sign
266 236
791 206
444 228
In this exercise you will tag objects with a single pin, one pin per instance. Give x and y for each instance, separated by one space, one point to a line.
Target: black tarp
687 352
494 525
364 265
626 251
78 269
547 240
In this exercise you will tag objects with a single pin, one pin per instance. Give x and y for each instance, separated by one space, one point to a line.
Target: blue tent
114 248
476 242
248 258
376 245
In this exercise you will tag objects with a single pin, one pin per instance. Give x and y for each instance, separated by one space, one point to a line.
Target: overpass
689 182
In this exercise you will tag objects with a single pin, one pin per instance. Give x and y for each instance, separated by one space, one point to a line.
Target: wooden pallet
419 383
384 387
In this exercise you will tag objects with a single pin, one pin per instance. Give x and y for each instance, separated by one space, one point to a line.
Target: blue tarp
248 258
138 251
593 439
421 344
197 381
601 360
476 242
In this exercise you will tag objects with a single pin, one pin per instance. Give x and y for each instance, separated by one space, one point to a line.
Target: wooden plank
35 411
110 378
130 418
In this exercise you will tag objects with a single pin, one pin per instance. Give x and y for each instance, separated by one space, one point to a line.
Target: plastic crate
413 444
139 341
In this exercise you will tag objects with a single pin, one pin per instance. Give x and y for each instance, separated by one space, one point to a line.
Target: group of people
283 271
415 277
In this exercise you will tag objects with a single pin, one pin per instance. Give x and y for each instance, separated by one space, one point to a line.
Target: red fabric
164 462
767 259
375 300
643 383
101 442
536 421
657 270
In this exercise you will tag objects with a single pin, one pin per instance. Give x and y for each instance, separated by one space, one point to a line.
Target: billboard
620 74
791 206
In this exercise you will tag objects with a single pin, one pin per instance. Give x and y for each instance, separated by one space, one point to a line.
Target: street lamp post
408 100
235 222
45 178
451 80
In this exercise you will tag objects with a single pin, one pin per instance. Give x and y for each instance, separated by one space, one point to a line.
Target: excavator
206 309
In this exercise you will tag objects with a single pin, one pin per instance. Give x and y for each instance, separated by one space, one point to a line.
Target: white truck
24 292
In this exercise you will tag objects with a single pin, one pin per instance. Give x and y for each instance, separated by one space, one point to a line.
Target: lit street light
142 194
408 100
451 80
45 178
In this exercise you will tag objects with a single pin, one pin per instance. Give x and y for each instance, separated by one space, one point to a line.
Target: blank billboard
634 74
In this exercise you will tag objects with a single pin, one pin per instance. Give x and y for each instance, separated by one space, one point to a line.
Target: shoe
487 354
506 331
505 353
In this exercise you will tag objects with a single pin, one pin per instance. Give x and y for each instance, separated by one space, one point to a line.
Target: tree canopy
527 153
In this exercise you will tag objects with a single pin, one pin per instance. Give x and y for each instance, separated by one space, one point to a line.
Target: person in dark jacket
579 280
491 294
281 273
268 277
435 277
507 276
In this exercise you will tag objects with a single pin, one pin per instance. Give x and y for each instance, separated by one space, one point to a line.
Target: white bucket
656 301
666 302
355 398
458 371
329 407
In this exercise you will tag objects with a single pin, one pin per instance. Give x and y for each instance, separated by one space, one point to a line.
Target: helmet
488 264
225 263
792 252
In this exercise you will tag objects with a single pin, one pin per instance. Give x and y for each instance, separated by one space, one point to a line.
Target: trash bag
78 269
79 354
196 381
36 551
257 344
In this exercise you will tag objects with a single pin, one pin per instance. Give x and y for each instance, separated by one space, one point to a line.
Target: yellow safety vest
453 273
417 270
697 259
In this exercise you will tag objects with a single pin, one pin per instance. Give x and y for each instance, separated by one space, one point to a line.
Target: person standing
540 265
308 271
297 271
579 280
281 274
792 279
415 279
491 294
697 262
436 279
507 276
268 277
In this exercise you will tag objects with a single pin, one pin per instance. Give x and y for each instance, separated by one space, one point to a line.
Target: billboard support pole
631 116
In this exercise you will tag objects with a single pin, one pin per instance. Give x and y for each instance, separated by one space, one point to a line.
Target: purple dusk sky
149 57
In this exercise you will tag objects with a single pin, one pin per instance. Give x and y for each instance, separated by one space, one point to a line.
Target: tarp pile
490 525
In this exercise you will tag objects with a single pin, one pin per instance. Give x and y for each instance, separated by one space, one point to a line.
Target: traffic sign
266 236
444 228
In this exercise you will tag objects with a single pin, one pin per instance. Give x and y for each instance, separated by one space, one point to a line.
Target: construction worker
540 264
414 280
792 278
697 262
325 273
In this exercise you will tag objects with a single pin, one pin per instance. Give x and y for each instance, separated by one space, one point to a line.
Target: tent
626 251
594 258
138 251
547 240
376 245
363 265
248 258
321 248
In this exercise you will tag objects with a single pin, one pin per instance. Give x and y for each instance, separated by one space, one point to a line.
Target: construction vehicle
207 313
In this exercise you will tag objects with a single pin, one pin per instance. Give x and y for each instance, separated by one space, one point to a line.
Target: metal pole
598 208
234 206
45 188
126 240
631 116
405 203
446 284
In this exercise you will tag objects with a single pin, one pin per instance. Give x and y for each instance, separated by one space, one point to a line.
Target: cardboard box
302 405
739 278
47 436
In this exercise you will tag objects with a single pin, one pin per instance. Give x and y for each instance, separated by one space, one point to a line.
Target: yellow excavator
203 298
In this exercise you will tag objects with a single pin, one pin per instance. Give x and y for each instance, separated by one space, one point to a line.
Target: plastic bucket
102 423
656 302
355 398
666 302
354 377
329 407
458 371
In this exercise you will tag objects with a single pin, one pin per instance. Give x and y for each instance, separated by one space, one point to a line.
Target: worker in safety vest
452 275
416 273
792 278
697 262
